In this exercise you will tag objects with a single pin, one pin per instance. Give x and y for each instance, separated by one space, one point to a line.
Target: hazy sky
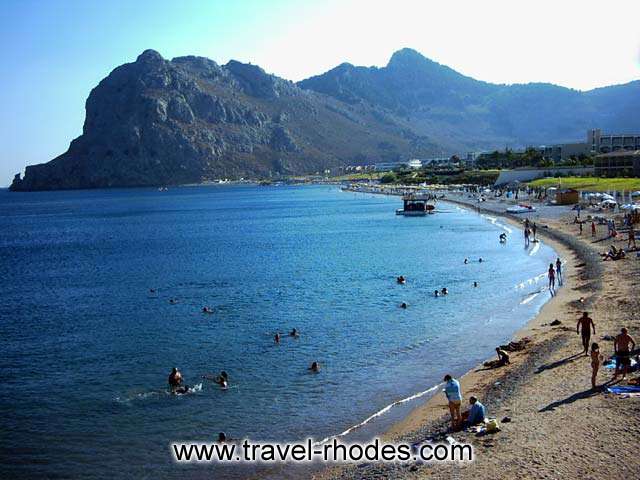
54 52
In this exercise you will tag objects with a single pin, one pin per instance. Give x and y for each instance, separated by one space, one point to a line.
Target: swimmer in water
222 437
475 284
480 260
445 291
173 301
294 333
466 260
222 380
403 305
152 290
175 380
401 279
436 293
207 310
315 367
276 338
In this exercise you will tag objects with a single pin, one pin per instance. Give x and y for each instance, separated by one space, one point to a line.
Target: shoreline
582 290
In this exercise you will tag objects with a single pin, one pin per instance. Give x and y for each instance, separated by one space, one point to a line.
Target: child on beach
596 360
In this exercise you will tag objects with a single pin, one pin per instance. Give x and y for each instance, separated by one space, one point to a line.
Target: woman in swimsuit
596 359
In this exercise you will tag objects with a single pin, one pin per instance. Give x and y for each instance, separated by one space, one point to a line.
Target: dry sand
560 427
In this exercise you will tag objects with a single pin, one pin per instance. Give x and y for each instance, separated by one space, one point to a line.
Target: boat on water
417 205
521 208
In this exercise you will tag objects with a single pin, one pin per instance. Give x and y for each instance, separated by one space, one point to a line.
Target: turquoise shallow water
86 347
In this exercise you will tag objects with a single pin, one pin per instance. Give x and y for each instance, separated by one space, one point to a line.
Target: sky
54 52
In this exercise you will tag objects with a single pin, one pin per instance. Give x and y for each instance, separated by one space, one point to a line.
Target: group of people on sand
623 346
476 414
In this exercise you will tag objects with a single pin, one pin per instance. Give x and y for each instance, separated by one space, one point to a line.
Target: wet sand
560 427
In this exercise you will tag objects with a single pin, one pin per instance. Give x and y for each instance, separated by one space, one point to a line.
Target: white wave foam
377 414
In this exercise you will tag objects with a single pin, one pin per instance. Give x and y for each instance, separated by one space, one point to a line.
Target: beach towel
625 390
611 364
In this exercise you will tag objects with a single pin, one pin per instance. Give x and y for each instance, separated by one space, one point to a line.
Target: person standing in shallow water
559 270
552 279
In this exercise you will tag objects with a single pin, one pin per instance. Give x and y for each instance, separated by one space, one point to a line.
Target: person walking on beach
552 278
632 237
584 324
526 236
559 270
534 229
623 352
580 224
454 396
593 228
596 360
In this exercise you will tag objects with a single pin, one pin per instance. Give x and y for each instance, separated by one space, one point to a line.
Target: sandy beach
559 426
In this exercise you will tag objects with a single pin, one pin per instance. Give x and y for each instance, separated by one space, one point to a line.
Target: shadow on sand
559 363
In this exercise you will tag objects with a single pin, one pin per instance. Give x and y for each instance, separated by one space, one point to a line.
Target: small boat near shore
417 205
521 208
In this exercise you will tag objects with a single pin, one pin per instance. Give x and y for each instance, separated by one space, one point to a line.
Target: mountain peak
407 56
150 56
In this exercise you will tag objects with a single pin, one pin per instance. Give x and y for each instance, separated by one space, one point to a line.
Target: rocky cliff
187 120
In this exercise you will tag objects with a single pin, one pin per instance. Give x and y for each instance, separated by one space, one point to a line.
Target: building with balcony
621 163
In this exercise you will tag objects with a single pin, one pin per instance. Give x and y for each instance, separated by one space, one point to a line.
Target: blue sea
87 346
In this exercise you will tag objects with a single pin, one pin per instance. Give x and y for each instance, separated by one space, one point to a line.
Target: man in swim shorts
623 352
585 324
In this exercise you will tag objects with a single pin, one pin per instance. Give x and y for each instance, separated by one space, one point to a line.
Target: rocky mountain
461 113
187 120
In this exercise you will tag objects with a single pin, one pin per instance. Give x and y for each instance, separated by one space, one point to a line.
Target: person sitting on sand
614 254
175 379
477 412
454 396
503 357
585 324
315 367
623 352
596 360
294 333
